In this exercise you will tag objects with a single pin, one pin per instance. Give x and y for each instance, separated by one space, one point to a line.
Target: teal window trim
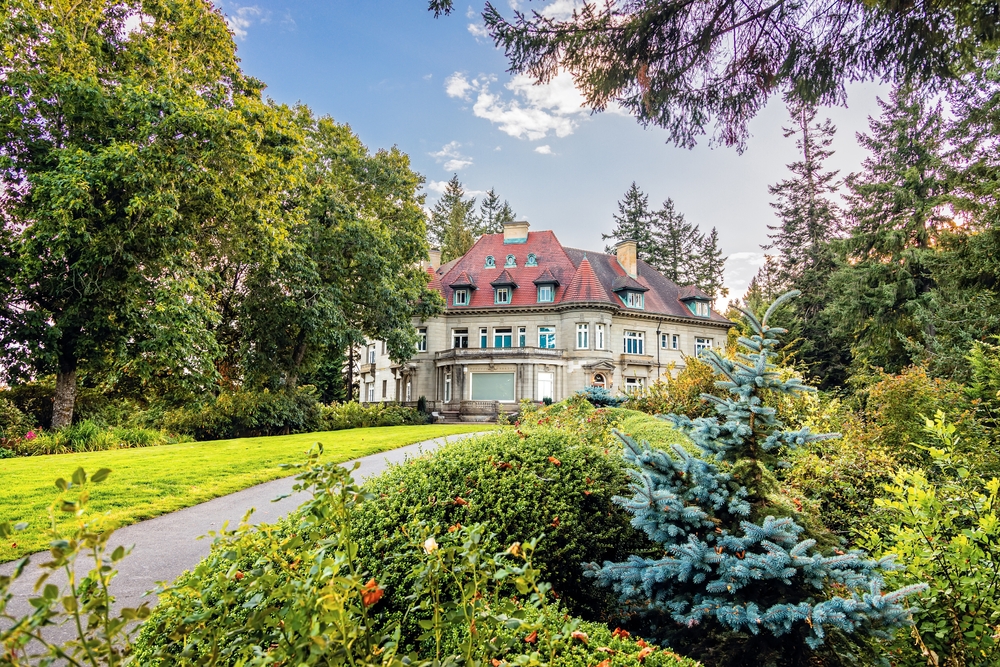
546 294
502 295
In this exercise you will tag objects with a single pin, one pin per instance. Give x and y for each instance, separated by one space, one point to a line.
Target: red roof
582 276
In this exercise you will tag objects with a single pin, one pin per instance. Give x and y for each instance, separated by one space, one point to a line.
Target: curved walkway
167 545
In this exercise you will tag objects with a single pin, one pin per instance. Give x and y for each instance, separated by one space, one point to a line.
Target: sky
439 90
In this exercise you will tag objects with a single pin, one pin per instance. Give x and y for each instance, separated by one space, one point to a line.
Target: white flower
430 544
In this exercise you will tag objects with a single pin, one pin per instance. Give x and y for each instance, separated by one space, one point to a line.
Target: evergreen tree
896 214
633 221
808 222
453 221
734 580
710 266
493 214
675 245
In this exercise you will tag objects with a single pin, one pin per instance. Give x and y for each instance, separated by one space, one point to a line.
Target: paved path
166 546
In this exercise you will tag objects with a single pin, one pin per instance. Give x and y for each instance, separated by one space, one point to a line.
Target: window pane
492 386
547 337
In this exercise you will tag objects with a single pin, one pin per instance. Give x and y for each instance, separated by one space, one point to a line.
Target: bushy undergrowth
90 437
242 414
600 397
352 414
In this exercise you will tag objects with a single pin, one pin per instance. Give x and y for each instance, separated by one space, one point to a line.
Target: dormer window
501 295
546 293
700 308
532 260
490 262
632 299
511 262
461 297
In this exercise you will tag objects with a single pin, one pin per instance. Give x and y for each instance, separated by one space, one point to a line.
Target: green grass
151 481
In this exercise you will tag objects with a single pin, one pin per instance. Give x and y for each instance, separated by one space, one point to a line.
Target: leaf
100 475
79 477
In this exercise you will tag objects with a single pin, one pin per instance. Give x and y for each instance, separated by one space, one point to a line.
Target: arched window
532 260
490 262
599 380
511 261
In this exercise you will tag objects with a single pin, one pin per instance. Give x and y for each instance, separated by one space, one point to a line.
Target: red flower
371 593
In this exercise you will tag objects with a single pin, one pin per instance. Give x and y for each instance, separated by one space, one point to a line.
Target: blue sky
439 91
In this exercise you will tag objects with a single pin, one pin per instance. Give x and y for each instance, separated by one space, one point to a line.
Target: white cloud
451 157
544 150
532 113
241 18
741 267
478 31
561 10
437 186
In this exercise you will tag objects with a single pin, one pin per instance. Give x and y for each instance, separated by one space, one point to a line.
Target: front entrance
545 384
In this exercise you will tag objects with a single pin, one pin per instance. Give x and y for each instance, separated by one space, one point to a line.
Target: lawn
151 481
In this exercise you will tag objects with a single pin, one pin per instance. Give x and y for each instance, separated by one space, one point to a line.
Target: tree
633 222
735 582
129 141
682 65
675 245
710 266
493 214
453 221
896 213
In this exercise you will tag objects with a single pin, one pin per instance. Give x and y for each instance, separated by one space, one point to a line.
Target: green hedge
339 416
243 414
90 437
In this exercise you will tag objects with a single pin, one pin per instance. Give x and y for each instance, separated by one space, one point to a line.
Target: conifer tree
453 221
710 266
896 214
676 244
493 214
633 221
733 575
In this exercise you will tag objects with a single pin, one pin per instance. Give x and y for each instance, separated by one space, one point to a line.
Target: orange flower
604 663
555 461
371 593
555 522
644 653
582 636
605 649
239 575
452 529
532 638
624 634
461 501
642 643
495 662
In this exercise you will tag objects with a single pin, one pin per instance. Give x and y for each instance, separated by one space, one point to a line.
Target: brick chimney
515 232
625 251
435 256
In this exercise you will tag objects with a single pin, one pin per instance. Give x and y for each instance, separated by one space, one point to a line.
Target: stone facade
606 320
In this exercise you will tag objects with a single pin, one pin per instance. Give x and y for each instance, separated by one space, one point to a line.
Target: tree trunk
65 398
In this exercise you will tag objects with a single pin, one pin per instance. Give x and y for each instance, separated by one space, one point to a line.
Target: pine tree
453 221
731 571
493 214
710 266
896 214
675 245
633 221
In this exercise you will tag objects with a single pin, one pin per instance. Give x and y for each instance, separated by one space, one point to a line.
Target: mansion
527 318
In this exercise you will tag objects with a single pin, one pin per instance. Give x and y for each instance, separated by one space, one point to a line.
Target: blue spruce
736 585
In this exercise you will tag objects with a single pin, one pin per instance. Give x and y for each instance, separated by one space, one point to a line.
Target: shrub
602 398
680 394
242 414
90 437
14 424
525 483
352 414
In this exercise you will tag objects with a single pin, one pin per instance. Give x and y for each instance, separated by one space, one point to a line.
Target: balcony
465 355
367 368
637 360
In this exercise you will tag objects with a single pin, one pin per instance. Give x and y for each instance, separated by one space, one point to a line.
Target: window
421 340
633 299
633 385
483 337
501 295
447 387
502 337
511 262
492 386
546 294
383 347
490 262
675 342
599 380
371 392
599 337
582 336
409 391
522 337
371 355
461 297
702 344
547 337
633 342
700 308
664 340
385 389
532 260
546 381
460 338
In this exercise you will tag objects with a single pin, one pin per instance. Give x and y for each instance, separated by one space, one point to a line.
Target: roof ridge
585 285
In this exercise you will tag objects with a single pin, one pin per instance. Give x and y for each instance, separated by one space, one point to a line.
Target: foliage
239 414
87 436
733 574
84 604
358 415
14 424
680 394
984 385
600 397
493 214
947 532
682 66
